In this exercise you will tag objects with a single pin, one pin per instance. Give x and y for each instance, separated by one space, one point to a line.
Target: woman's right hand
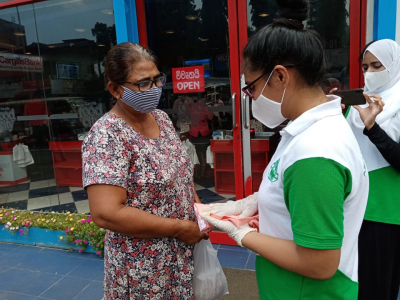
189 232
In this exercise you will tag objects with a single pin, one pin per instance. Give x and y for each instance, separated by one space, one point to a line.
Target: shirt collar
328 109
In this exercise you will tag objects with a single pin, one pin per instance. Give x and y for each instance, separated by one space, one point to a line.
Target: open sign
188 80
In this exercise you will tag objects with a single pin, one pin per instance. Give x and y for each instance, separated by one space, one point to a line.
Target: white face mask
267 111
375 80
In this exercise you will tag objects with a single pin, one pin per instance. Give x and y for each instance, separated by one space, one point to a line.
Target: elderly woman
140 185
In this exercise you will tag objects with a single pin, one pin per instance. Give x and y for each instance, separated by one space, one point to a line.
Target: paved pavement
33 273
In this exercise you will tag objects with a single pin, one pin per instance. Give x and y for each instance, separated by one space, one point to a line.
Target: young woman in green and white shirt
312 199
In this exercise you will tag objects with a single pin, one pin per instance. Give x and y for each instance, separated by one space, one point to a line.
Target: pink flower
66 230
83 221
98 253
104 240
21 230
30 223
78 241
101 229
21 233
91 232
88 220
27 224
7 226
80 250
73 243
97 245
7 214
86 242
14 217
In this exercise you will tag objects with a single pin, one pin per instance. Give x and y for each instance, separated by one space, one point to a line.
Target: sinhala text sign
188 80
20 63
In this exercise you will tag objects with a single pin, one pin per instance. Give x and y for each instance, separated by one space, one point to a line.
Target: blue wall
385 19
126 21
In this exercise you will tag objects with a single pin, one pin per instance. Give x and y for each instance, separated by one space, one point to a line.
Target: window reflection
330 18
51 86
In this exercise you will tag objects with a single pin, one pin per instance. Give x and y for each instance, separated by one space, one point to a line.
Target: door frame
238 37
357 25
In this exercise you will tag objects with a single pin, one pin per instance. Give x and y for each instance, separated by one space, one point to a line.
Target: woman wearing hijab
376 126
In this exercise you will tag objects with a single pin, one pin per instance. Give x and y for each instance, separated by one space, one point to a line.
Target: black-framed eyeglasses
248 90
146 85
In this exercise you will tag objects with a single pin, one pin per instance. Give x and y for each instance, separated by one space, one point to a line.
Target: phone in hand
351 97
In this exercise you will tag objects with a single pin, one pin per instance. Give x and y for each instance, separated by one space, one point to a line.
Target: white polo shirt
314 192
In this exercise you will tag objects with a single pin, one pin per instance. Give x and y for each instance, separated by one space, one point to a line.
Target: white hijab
388 53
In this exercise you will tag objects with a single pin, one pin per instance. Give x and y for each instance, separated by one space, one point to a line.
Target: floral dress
158 177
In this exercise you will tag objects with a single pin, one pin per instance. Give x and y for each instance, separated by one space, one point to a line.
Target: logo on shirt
365 167
273 173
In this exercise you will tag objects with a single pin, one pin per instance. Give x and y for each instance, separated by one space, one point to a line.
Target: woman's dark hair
285 41
361 58
120 60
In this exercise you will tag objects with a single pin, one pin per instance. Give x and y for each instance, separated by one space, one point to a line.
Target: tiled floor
45 195
28 273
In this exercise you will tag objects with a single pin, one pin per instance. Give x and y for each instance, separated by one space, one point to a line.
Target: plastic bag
209 281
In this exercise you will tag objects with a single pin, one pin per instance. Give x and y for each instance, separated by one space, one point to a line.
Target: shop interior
52 90
51 93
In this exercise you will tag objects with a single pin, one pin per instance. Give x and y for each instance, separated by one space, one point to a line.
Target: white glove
235 233
246 207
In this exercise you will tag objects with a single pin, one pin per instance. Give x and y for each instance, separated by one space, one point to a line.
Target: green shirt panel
276 283
315 190
384 196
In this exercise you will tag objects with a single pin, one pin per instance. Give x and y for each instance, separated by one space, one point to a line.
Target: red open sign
188 80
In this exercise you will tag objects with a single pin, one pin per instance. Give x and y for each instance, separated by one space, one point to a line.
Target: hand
331 93
243 208
368 114
189 232
235 233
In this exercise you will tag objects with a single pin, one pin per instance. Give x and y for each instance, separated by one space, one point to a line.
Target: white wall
398 22
370 20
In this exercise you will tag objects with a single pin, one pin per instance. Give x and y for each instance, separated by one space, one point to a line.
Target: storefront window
185 33
51 92
330 18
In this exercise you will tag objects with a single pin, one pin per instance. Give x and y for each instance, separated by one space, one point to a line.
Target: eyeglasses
248 89
146 85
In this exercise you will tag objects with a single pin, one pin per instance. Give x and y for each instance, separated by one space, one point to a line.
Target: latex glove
234 232
246 207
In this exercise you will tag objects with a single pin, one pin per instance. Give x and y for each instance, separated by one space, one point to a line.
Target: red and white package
204 226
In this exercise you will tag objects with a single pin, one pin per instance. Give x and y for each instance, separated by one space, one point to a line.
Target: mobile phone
352 97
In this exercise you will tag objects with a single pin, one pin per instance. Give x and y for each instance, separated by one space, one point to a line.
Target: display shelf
68 165
70 182
224 172
67 161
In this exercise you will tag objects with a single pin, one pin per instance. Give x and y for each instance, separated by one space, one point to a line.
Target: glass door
199 44
196 43
331 19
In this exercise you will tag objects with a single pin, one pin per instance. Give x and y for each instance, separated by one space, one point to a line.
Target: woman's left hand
368 114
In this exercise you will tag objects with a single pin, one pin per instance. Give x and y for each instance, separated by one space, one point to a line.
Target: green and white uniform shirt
384 200
314 192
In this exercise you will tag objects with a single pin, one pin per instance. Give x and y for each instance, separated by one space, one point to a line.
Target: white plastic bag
209 281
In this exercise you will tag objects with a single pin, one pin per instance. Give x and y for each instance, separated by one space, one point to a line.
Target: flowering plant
79 229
